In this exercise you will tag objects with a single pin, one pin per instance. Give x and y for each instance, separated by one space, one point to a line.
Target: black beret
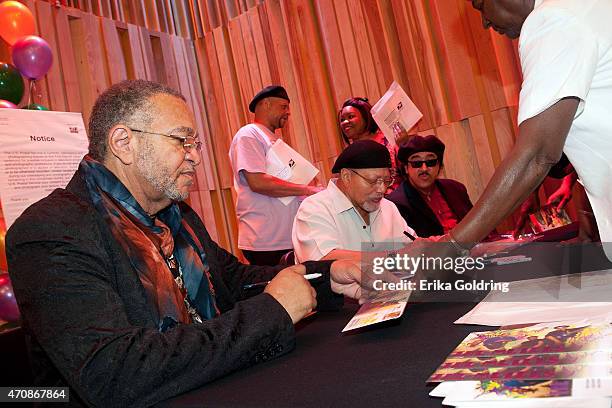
269 91
363 154
417 144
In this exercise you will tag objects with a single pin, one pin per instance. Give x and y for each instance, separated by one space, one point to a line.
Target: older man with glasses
430 205
125 298
351 215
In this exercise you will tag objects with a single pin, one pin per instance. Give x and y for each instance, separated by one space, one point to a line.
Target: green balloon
35 106
11 83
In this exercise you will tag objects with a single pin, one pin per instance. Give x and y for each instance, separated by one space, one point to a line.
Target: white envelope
286 164
395 107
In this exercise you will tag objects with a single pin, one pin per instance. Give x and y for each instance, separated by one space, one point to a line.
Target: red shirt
440 208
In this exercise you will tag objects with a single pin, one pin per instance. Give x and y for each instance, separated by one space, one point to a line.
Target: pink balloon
8 305
32 56
7 104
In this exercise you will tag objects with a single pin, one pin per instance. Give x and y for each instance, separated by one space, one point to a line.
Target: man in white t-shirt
264 222
351 215
565 105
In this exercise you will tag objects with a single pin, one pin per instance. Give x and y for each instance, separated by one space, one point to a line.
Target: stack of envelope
542 365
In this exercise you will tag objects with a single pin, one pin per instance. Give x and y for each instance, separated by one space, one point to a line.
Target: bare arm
266 184
343 254
537 148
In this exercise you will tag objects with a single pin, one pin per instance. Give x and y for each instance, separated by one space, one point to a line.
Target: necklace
177 272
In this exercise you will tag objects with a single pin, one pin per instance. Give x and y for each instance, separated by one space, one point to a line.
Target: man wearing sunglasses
430 205
351 214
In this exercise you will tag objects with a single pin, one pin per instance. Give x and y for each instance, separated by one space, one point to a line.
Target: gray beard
156 175
369 207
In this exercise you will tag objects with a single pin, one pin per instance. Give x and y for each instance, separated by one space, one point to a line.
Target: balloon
16 21
7 104
3 265
36 106
32 56
8 305
11 83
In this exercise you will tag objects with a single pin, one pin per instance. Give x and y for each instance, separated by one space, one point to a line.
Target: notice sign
39 152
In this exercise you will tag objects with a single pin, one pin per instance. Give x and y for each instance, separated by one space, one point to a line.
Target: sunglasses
417 164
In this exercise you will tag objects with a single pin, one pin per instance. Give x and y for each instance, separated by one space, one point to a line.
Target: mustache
423 172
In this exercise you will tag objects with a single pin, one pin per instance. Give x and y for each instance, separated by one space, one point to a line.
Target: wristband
461 251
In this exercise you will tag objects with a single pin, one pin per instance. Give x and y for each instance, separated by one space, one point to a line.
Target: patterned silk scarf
165 252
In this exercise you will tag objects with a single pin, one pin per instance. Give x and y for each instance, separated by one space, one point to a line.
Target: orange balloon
16 21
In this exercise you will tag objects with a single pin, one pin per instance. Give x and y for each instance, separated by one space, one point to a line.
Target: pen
409 235
308 276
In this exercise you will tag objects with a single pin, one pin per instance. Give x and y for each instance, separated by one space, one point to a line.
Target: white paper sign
551 299
395 107
286 164
39 152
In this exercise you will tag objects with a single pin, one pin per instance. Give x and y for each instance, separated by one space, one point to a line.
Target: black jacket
89 324
417 213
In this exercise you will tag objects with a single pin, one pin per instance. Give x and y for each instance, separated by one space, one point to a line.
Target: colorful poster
522 373
388 306
536 339
581 357
457 392
548 217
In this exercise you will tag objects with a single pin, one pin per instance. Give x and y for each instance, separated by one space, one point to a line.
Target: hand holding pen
308 276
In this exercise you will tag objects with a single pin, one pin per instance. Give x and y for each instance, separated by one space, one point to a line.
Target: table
385 365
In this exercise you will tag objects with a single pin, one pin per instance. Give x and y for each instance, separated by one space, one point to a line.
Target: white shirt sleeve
399 220
558 58
314 234
250 154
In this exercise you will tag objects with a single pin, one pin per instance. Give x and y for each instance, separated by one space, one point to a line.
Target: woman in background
356 123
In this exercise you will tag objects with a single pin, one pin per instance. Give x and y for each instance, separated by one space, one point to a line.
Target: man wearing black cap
351 214
264 222
430 205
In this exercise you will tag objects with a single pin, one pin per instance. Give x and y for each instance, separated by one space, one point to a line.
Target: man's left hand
563 194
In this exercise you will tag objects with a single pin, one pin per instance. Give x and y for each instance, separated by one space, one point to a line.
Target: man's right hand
293 292
266 184
314 189
530 205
